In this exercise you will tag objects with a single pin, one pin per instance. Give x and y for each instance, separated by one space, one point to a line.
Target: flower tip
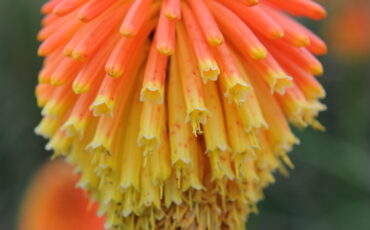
251 2
101 109
38 131
70 129
215 40
196 117
57 12
238 93
40 36
318 126
99 147
127 31
149 143
43 78
151 95
281 84
80 88
57 81
319 50
302 41
317 70
277 33
46 128
113 71
209 70
102 106
78 56
318 12
172 14
322 52
41 52
165 49
259 53
82 18
40 102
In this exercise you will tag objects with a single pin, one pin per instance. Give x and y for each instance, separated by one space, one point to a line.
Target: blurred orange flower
349 29
53 202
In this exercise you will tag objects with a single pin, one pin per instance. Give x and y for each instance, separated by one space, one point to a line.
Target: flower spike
177 113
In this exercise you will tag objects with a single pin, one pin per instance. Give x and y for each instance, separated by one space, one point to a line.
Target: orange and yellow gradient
53 202
176 112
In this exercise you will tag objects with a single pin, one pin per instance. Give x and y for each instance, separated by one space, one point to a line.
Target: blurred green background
328 190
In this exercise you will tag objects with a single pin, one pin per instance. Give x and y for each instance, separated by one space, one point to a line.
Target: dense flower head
176 113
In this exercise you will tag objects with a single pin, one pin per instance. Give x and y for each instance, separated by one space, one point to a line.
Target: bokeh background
328 190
